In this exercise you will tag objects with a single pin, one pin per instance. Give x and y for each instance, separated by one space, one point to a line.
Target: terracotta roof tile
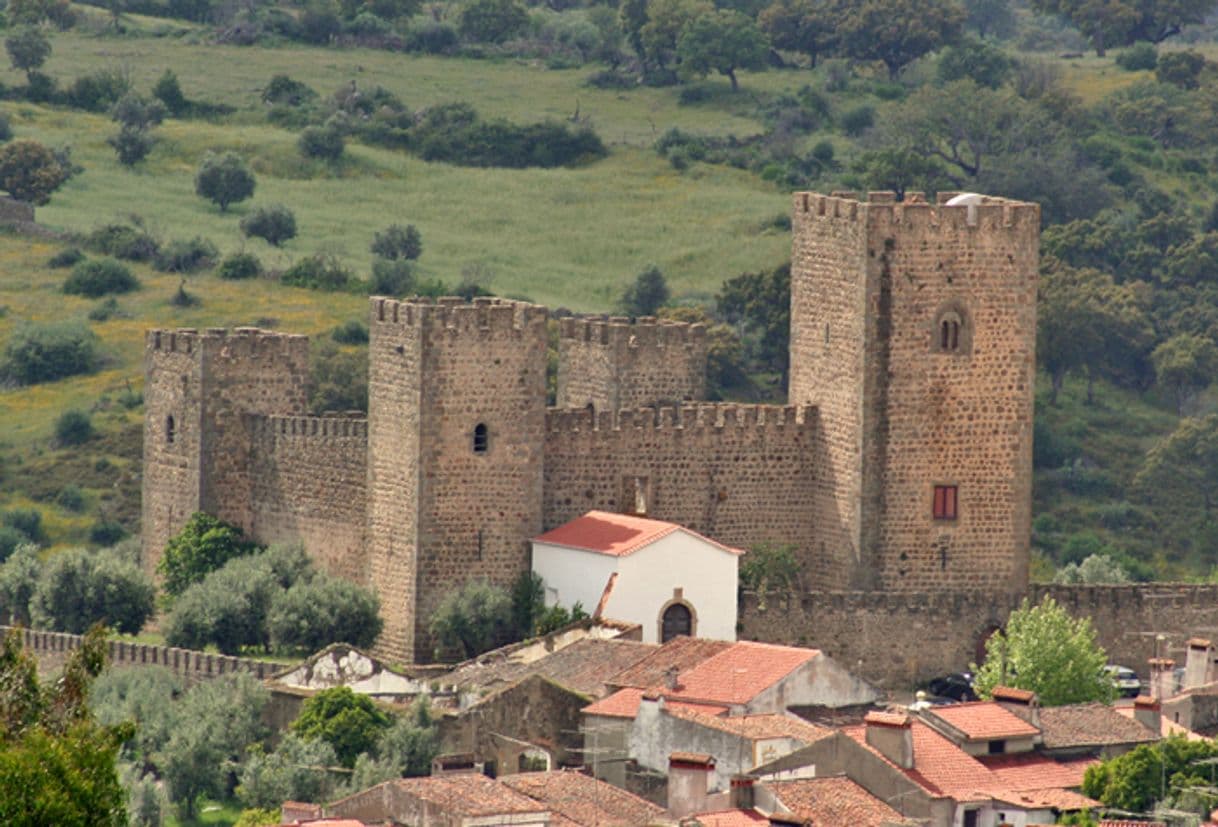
469 794
625 704
892 719
1010 693
1167 727
740 673
615 534
833 800
1090 725
582 800
680 653
982 720
731 818
585 666
754 727
699 758
940 767
1033 771
1108 823
1051 799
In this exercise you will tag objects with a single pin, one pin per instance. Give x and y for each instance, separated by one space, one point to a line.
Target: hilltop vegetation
557 152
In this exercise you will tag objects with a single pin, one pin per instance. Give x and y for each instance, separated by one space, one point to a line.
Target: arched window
481 438
951 333
170 430
677 621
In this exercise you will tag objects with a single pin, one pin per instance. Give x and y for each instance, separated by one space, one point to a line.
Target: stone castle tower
902 463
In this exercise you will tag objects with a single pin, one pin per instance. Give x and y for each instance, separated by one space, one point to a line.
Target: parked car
958 686
1126 681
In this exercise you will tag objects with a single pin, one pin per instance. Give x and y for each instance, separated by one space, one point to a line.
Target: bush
367 24
1138 57
106 533
103 311
65 258
453 133
224 179
1180 69
856 121
10 540
240 266
26 520
353 332
94 278
432 37
73 427
131 145
134 111
317 272
71 498
323 142
647 294
284 90
610 79
474 619
125 241
350 723
41 88
30 172
99 91
491 21
274 223
78 589
338 380
169 92
392 277
397 241
314 614
45 352
186 256
202 546
319 24
228 608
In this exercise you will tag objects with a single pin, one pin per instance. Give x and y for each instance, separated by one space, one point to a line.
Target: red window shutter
940 505
950 497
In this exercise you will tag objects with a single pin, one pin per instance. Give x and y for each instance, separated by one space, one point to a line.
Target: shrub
284 90
131 145
319 24
1138 57
41 88
202 546
647 294
71 498
28 48
10 540
856 121
348 722
474 619
30 172
432 37
103 311
65 258
1180 69
240 266
45 352
392 277
98 277
453 133
99 91
228 608
323 142
73 427
26 520
491 21
169 92
78 589
224 179
274 223
106 533
367 24
396 241
186 256
124 241
313 614
317 272
353 332
134 111
610 79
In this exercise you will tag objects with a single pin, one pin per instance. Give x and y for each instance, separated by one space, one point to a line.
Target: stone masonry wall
740 474
613 364
307 483
903 639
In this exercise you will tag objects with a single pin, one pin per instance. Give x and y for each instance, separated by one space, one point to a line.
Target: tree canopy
224 179
29 171
203 545
897 32
1045 650
722 41
351 724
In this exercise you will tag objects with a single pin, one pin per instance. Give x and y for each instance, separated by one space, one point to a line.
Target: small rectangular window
945 502
997 747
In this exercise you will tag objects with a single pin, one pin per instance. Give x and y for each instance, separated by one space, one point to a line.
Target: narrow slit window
481 438
171 432
945 502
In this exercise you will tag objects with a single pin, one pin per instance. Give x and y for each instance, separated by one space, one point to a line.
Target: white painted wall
706 574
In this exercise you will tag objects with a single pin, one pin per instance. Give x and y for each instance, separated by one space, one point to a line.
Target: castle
903 462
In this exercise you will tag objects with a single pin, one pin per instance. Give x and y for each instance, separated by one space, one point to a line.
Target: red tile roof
1090 725
940 767
625 704
578 800
982 721
754 727
1050 799
680 653
616 534
1010 693
731 818
741 672
468 794
1033 771
833 800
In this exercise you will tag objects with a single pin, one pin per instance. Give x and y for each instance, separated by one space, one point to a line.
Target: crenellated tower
913 330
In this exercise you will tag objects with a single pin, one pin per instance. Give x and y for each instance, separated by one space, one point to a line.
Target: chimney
891 735
1021 702
1196 666
742 792
670 678
690 776
1162 677
1146 711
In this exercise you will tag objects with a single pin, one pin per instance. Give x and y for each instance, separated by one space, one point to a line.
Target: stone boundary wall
991 215
897 640
52 649
455 314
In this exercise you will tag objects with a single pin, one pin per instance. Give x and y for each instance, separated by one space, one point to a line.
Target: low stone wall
52 649
898 640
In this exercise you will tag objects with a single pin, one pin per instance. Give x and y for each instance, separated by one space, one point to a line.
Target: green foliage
317 272
557 617
1180 69
19 575
186 256
99 91
26 520
867 33
1179 476
73 427
144 695
351 724
227 608
990 18
807 26
65 258
126 241
28 48
769 567
983 64
1140 57
202 546
398 242
239 265
134 111
323 142
1149 774
491 21
528 598
647 294
224 179
274 223
351 332
29 171
857 119
78 588
392 277
453 133
45 352
1185 363
1045 650
71 497
95 278
471 620
759 304
131 145
256 817
1096 569
722 41
338 380
1123 22
284 90
298 770
168 91
311 615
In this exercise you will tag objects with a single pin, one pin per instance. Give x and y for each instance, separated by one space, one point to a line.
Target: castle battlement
342 426
240 341
914 213
701 417
645 332
456 314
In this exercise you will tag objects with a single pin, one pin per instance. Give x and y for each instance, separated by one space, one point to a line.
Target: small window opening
997 747
945 502
171 432
481 438
677 620
635 495
949 334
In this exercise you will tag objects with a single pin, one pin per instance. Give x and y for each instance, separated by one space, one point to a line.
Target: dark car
958 686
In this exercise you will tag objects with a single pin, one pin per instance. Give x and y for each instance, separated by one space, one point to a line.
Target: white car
1125 680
